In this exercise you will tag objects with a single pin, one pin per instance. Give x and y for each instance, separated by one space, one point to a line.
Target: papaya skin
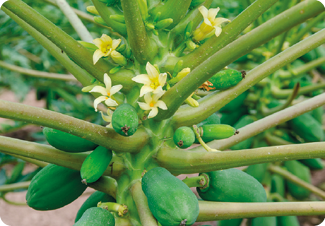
125 120
96 216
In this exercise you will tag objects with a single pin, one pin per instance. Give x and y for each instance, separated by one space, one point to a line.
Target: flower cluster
152 90
209 23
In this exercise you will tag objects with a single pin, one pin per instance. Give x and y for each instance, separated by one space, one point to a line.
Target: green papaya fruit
226 79
67 142
235 104
301 171
231 222
216 131
313 164
92 201
96 216
257 171
212 119
307 128
170 200
95 164
287 221
54 187
125 120
230 118
264 221
184 137
232 185
277 185
243 121
16 172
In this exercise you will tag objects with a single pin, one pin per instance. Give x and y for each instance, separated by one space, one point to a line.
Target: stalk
11 187
211 211
75 50
105 184
199 181
142 46
270 121
229 33
100 135
187 115
191 161
146 217
284 93
74 20
294 179
49 154
37 74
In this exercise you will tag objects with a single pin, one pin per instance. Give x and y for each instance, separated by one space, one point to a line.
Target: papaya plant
158 76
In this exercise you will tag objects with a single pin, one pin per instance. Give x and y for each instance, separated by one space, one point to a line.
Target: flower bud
118 18
118 58
92 9
164 23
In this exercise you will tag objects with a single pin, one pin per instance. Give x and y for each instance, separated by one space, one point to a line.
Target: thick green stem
30 160
100 135
37 74
105 184
142 46
284 93
199 181
211 211
302 69
11 187
270 121
190 161
306 29
294 179
209 104
74 20
82 76
49 154
75 50
229 33
146 217
275 140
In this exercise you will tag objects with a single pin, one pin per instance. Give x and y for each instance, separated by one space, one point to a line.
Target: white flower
107 92
153 81
152 103
210 22
106 45
108 117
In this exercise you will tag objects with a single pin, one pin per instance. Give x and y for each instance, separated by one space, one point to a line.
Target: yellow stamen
151 104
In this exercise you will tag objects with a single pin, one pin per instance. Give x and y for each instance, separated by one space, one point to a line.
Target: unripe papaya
307 127
170 200
54 187
184 137
257 171
231 185
243 121
264 221
277 185
230 118
226 78
212 119
96 216
216 131
67 142
125 120
313 164
92 201
95 164
231 222
287 221
235 104
301 171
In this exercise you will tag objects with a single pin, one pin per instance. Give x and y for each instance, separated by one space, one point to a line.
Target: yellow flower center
154 84
106 48
108 94
152 104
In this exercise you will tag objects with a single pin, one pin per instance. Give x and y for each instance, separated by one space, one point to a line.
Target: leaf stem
11 187
284 93
211 211
199 181
294 179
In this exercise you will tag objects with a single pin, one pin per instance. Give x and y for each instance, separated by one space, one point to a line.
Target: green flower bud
88 45
121 48
115 69
118 58
118 18
100 20
188 30
164 23
92 9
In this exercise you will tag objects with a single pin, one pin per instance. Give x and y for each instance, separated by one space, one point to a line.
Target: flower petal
115 89
161 104
98 100
158 90
148 98
143 78
97 55
152 71
156 96
153 113
144 106
213 13
115 43
204 11
218 31
106 118
107 82
218 21
99 89
110 102
162 78
145 89
98 42
106 39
